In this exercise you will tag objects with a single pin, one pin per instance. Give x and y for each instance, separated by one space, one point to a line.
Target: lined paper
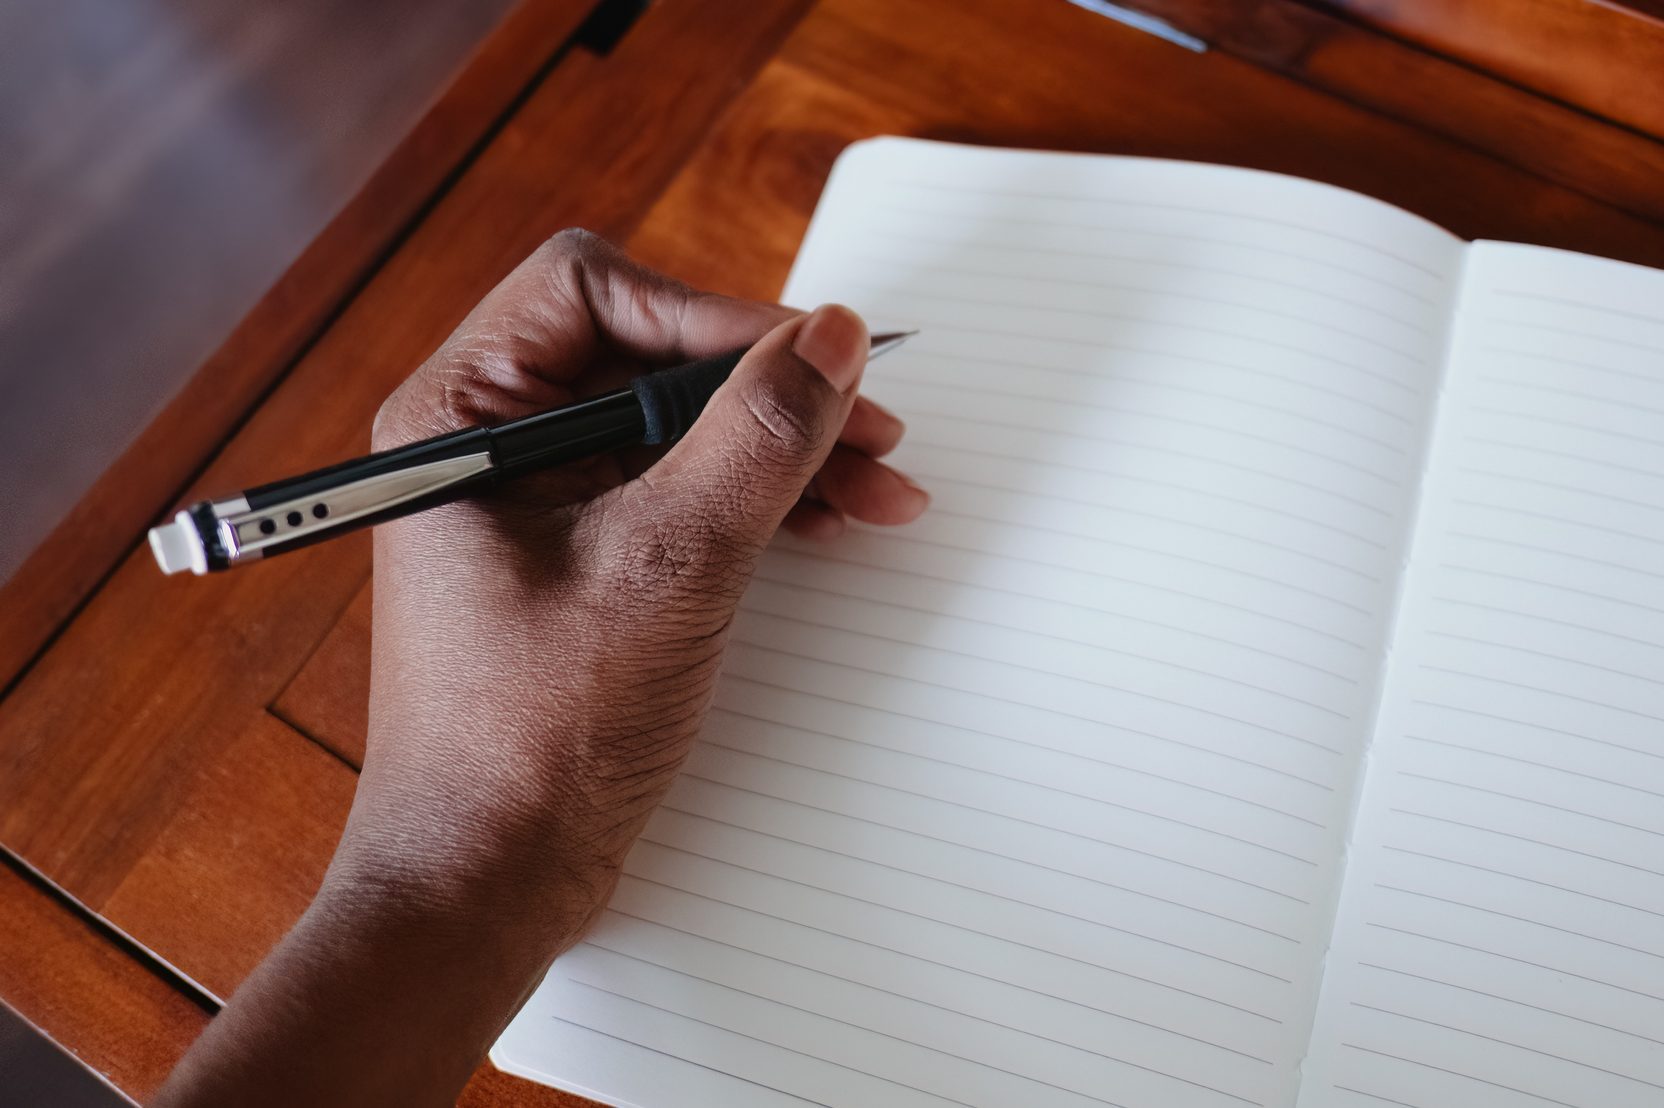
1042 799
1502 936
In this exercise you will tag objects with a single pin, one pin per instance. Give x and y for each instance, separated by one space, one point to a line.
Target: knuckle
784 410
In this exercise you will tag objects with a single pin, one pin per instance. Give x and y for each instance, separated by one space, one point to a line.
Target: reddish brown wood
94 999
329 699
241 858
1563 144
116 750
135 490
1605 56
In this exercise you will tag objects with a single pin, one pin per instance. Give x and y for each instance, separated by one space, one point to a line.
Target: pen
298 511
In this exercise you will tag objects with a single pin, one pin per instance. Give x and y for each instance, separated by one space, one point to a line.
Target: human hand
544 657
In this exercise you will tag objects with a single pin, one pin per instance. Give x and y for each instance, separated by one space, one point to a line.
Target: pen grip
672 399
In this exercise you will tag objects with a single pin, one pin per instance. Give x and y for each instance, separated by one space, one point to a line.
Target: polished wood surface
192 742
1603 56
1606 160
164 162
106 522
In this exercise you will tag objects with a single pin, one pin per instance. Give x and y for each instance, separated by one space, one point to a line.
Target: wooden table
177 756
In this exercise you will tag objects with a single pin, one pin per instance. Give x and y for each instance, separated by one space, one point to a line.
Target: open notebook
1269 711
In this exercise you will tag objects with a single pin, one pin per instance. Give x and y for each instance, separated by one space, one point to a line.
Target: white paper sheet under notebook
1046 799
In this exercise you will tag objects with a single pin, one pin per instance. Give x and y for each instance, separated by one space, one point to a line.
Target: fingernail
923 493
833 340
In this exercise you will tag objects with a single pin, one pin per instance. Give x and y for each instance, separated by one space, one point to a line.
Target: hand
542 660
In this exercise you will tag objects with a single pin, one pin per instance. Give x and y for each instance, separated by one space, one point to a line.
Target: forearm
373 998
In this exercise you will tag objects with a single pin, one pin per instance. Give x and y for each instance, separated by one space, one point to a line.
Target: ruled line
1537 617
915 439
1511 958
1529 800
1110 256
1178 486
1537 355
928 961
1574 394
894 1038
1543 765
889 294
1519 919
1235 431
1482 572
1374 1096
1527 880
1565 521
1054 673
1567 554
1116 347
1581 335
1578 490
990 813
1510 1000
996 735
770 1043
1313 743
1544 843
909 540
1165 294
973 931
893 374
1543 690
1550 656
1568 455
689 1061
1456 1073
1075 225
1120 202
1026 746
1315 594
1566 424
1603 309
1504 1042
1089 921
1054 635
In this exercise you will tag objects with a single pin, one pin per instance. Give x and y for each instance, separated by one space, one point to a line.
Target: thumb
766 431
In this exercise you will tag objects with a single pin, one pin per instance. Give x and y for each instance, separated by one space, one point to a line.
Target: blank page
1041 800
1502 936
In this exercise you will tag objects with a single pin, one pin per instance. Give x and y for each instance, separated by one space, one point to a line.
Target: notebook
1269 710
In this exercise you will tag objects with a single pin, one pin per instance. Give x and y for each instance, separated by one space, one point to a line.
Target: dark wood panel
329 699
158 676
104 524
1564 145
98 1002
164 163
1605 56
241 858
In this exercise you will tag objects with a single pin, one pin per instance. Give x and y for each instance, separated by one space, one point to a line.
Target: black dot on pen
319 511
267 526
295 519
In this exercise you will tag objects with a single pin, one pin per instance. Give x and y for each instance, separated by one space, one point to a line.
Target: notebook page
1039 801
1502 935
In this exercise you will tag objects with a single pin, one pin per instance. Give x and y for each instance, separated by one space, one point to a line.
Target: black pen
284 515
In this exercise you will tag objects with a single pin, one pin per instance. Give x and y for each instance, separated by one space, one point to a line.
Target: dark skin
542 661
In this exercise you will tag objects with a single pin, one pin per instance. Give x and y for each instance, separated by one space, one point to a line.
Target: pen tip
884 343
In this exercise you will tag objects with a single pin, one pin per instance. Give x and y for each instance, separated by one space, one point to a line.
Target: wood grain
1543 136
241 858
1604 56
136 488
86 993
329 699
93 741
702 141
